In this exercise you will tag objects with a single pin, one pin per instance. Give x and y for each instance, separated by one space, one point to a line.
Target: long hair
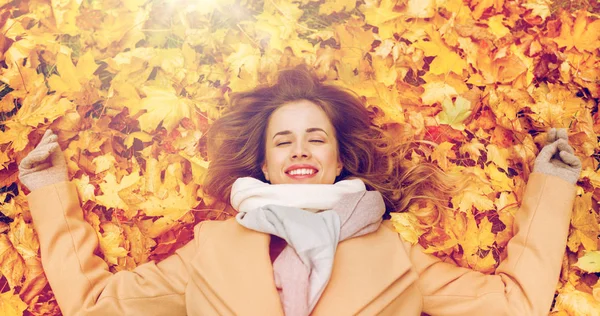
236 143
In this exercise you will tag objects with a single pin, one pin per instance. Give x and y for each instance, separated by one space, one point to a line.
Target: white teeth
302 171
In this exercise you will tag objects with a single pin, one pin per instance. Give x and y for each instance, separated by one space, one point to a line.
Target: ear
339 168
264 170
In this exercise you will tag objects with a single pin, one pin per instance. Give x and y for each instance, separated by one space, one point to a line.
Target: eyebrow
308 130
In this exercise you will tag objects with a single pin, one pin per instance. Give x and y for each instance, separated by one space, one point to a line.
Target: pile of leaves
131 87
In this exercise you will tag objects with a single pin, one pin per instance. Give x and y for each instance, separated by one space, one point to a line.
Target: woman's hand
558 158
44 165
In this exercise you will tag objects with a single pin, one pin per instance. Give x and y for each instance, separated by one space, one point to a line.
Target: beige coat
226 270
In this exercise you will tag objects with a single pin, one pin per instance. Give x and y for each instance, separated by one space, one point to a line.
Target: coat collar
235 268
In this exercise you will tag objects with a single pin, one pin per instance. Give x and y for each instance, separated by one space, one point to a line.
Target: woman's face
301 146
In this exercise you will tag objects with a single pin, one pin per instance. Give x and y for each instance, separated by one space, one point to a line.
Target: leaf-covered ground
131 87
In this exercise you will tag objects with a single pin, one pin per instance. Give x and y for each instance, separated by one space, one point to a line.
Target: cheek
330 158
275 159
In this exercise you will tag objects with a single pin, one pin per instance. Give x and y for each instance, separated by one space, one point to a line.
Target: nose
300 150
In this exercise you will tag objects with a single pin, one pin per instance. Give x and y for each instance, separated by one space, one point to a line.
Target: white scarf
281 210
248 194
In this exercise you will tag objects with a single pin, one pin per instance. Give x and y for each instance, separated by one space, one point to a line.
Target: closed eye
316 141
283 143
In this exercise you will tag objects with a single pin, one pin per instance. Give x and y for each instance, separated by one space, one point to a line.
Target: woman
313 240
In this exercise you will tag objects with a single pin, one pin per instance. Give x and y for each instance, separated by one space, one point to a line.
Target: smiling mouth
302 173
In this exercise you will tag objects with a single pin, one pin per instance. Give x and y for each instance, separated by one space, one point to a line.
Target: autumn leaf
407 224
437 92
441 154
354 41
455 113
162 105
110 191
582 34
72 78
332 6
382 14
12 265
539 8
590 262
11 304
585 225
576 302
445 59
111 240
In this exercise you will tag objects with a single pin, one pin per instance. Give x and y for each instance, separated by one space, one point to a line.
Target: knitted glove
44 165
557 158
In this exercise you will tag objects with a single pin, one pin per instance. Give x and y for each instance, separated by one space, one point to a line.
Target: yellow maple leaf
483 5
121 29
385 98
500 181
476 238
38 110
12 265
65 14
4 160
331 6
171 208
507 206
243 67
104 162
138 243
7 103
467 199
110 241
583 34
91 140
441 154
110 191
576 302
487 264
144 137
383 15
439 240
455 113
407 225
199 167
68 80
84 188
445 59
584 222
473 148
539 8
162 104
14 207
11 304
17 134
498 155
354 41
385 71
497 27
437 91
35 279
23 238
554 105
174 205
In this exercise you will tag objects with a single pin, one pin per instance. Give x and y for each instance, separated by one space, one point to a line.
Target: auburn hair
236 143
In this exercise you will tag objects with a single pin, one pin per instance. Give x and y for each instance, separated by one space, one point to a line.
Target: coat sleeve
81 281
525 282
